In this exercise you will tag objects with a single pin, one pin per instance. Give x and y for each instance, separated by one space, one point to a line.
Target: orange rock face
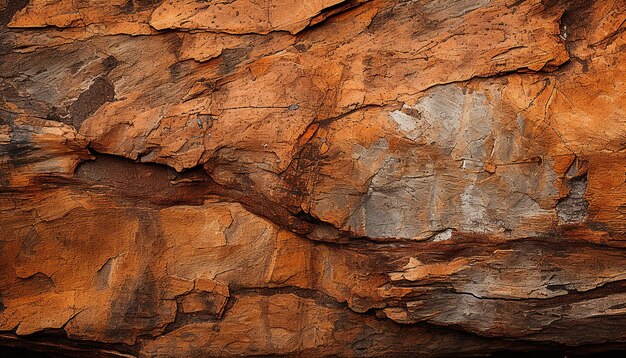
184 178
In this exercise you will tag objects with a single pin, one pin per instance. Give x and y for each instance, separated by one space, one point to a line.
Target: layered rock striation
187 178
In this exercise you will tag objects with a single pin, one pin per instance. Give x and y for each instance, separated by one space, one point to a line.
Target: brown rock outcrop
184 178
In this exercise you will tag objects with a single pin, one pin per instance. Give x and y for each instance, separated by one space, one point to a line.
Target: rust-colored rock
185 178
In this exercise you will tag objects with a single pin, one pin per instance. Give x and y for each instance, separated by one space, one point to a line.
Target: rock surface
184 178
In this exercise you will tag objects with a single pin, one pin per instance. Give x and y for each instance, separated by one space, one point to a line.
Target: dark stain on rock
380 19
75 67
321 298
363 341
139 5
178 69
145 4
598 226
138 307
515 4
128 8
12 7
415 113
100 92
19 147
231 57
7 41
144 303
175 70
109 63
174 43
135 310
301 47
367 61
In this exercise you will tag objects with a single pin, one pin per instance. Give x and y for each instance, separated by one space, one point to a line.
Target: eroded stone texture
351 178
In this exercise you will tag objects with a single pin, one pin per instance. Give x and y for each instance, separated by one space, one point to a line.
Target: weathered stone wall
187 178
